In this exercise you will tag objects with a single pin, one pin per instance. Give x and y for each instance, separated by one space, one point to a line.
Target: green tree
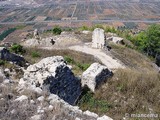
149 40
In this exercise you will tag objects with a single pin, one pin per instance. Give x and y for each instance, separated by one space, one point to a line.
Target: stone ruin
95 75
36 34
98 39
54 74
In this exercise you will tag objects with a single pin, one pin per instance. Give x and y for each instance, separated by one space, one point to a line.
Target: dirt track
101 55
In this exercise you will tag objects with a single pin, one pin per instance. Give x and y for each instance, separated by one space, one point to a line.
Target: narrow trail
102 56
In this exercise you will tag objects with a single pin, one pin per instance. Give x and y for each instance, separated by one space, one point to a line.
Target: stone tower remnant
98 38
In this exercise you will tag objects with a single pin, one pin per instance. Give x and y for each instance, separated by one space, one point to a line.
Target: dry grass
131 91
77 56
132 58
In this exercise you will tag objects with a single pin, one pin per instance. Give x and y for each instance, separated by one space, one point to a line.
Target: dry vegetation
132 58
128 91
131 90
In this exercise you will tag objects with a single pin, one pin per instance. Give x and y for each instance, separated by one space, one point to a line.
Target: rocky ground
45 86
31 98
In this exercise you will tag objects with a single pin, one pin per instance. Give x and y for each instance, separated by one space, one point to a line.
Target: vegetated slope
131 90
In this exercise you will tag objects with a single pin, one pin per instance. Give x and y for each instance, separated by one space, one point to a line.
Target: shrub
35 54
18 49
57 31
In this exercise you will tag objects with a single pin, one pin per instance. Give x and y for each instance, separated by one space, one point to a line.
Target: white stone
32 68
36 117
13 111
7 70
98 38
95 74
104 118
7 81
77 118
37 90
40 110
32 101
90 114
117 40
21 98
86 32
50 108
41 98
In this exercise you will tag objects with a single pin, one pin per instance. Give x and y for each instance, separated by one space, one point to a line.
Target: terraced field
83 10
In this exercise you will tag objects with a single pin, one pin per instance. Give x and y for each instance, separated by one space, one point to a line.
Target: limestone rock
94 75
21 98
90 114
98 38
41 99
54 74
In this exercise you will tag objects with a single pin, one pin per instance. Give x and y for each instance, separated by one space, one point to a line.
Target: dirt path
103 57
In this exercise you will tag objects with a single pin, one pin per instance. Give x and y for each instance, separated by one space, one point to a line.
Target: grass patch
89 102
35 54
77 65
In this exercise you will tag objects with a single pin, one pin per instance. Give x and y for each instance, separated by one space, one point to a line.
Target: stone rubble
54 74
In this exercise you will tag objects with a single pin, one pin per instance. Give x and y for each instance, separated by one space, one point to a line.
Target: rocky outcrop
54 74
98 38
94 75
6 55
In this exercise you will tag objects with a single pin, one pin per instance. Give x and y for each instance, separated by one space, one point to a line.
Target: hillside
77 74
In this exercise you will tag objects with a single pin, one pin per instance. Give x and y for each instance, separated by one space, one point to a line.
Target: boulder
54 74
6 55
94 75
